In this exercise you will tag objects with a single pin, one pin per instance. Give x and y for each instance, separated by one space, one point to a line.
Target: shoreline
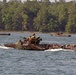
33 32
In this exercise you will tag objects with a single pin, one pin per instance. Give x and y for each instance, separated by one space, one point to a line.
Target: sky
50 0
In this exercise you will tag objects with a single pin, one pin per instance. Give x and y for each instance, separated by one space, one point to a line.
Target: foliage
36 15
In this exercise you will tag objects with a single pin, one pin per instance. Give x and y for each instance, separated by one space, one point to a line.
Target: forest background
41 16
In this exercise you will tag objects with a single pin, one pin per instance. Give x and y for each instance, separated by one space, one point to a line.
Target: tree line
42 16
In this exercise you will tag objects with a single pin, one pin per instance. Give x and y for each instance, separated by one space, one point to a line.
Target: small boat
26 45
42 47
5 34
29 47
60 35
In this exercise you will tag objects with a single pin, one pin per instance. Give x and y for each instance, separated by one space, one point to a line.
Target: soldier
19 44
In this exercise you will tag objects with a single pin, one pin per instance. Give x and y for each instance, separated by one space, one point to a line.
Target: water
23 62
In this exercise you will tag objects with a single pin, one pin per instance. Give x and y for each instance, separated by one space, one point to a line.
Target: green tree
1 26
24 22
40 22
71 24
63 15
32 8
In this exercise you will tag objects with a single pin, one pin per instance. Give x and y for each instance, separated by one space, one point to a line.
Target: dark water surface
23 62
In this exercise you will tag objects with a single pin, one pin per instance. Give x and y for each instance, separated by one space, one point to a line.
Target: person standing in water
32 39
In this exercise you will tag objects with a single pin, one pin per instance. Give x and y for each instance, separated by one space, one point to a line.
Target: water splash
3 47
60 49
